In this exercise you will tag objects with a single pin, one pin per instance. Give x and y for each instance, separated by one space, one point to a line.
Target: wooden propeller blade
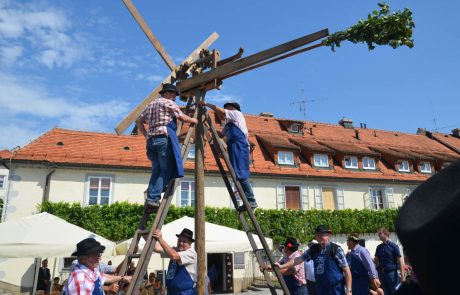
135 113
148 32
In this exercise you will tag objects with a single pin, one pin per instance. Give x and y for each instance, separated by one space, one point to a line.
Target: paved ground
257 291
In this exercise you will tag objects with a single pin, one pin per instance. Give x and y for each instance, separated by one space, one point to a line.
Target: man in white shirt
236 133
181 276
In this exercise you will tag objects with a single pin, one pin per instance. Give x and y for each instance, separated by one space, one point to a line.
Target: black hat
427 225
186 233
291 243
322 228
87 247
233 104
168 87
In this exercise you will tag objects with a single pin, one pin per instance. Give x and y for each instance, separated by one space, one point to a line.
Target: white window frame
191 189
424 165
3 181
402 166
294 128
191 152
318 160
99 197
281 196
353 162
367 163
375 204
285 158
339 199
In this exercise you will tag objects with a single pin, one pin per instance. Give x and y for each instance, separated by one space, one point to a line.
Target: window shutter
367 199
318 198
389 197
304 197
280 201
340 199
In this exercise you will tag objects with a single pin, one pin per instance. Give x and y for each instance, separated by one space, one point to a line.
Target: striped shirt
81 281
158 114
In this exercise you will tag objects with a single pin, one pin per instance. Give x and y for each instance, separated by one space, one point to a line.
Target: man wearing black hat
236 132
331 267
163 147
181 276
86 277
294 276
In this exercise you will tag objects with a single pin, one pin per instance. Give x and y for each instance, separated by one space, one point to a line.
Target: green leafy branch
380 28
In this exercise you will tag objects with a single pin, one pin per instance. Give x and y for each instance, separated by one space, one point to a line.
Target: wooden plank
135 113
148 32
240 64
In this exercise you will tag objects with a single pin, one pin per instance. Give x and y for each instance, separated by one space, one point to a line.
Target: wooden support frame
135 113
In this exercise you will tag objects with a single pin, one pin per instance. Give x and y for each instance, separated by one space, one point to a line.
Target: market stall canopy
44 235
219 239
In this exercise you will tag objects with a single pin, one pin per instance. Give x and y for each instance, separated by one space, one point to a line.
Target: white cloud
219 98
150 78
30 101
45 29
9 55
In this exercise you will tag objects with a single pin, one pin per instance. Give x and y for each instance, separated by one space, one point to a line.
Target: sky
83 65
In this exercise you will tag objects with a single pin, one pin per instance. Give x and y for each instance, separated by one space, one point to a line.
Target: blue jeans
303 290
162 157
389 281
247 189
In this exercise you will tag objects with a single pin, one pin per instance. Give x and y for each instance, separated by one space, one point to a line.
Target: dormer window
403 166
368 163
191 152
351 162
320 160
285 158
294 128
425 167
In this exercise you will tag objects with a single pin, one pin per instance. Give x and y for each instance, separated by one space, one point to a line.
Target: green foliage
118 221
380 28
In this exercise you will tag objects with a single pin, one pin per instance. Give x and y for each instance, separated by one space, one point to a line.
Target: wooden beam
148 32
240 64
135 113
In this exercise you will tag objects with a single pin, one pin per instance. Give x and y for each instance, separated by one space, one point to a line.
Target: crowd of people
325 267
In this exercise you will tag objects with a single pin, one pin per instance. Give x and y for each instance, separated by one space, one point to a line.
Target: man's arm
168 250
401 269
187 119
219 111
141 127
291 263
110 279
347 274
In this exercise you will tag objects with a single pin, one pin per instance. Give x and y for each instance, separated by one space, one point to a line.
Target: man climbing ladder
236 132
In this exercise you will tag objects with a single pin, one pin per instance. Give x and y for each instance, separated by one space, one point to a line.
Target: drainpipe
46 190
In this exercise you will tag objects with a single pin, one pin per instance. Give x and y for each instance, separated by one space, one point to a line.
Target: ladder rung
135 256
143 232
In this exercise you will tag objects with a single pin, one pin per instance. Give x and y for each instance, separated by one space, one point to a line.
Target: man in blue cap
163 147
236 132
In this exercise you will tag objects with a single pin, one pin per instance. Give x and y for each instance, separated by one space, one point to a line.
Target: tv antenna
303 103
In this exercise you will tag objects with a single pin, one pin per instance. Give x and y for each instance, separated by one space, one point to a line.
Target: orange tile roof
69 147
447 139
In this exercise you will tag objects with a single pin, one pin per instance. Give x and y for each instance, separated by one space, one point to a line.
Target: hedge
118 221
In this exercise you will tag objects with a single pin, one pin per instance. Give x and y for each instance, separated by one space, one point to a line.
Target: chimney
421 131
266 114
346 123
456 132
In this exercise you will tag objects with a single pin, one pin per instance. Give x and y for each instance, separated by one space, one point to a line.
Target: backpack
315 250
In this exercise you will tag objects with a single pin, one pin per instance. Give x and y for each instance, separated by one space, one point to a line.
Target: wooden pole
199 197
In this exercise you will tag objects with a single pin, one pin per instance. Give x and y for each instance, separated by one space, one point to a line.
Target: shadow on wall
27 280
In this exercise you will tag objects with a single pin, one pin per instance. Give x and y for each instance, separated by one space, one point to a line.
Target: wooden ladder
218 150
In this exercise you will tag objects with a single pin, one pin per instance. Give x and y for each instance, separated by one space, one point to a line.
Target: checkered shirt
158 114
81 281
